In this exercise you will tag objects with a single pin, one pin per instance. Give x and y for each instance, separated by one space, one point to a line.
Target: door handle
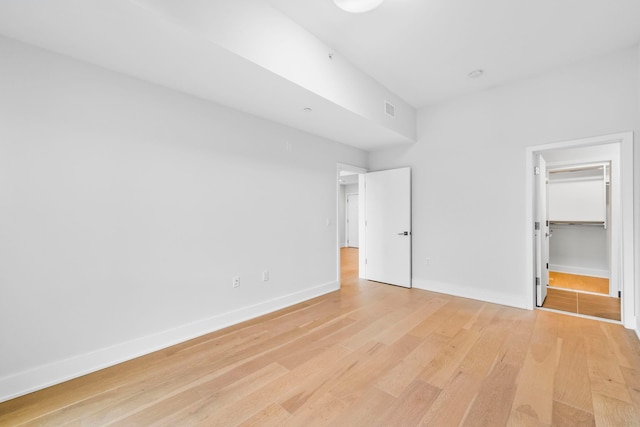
404 233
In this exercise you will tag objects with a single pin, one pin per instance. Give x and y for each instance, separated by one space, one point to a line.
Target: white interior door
352 220
388 226
542 232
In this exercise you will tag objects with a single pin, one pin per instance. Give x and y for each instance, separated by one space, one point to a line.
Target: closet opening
572 241
349 221
579 212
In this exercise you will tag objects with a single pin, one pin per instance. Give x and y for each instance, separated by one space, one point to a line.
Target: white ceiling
421 50
129 37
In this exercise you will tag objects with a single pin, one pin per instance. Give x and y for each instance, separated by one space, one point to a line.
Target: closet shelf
596 223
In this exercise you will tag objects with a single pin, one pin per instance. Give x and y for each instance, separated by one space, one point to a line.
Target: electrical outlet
236 281
265 276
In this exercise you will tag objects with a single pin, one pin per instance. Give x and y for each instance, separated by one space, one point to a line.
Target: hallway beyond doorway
348 264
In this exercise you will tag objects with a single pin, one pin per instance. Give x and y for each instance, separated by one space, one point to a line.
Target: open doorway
600 248
349 227
349 208
579 214
383 232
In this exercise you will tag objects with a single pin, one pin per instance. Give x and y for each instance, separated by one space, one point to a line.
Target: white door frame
542 234
358 170
623 239
347 226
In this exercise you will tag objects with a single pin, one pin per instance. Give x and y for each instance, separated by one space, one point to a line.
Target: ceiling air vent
389 109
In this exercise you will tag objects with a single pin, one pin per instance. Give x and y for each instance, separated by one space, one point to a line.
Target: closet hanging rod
597 223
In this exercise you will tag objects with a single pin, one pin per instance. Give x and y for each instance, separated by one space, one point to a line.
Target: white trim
624 240
350 168
470 292
555 167
63 370
579 291
346 219
362 224
584 316
582 271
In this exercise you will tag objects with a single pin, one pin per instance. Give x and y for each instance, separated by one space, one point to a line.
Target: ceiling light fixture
357 6
475 74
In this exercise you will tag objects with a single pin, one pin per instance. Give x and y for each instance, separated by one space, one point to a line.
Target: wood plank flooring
367 355
601 306
562 295
578 282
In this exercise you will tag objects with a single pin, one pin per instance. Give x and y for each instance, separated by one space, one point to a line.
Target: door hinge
547 266
619 294
366 261
537 282
536 225
547 223
536 170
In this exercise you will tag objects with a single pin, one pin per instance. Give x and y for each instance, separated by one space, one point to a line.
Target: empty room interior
322 212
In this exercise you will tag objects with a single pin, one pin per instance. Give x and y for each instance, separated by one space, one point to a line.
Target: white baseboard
54 373
582 271
469 292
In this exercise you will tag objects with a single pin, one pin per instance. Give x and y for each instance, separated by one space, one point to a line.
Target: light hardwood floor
368 355
562 295
578 282
588 304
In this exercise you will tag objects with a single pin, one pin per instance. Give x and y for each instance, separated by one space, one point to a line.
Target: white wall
469 182
348 189
341 217
126 208
289 50
342 210
579 249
